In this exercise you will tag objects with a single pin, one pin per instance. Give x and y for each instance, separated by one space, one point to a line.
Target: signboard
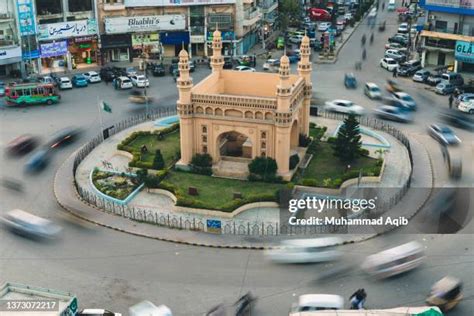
67 29
139 40
466 4
29 47
226 36
464 51
170 3
54 49
149 23
213 226
26 16
197 38
13 52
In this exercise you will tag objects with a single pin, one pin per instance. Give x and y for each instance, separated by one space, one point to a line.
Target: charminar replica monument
236 116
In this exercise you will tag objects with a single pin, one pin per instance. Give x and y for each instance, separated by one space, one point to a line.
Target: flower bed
121 187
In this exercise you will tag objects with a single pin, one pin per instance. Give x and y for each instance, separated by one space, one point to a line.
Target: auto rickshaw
350 81
138 97
446 293
392 86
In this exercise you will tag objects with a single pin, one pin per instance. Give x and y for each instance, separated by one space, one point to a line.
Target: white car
271 64
348 16
306 250
395 54
389 63
92 76
403 28
97 312
405 99
372 90
317 303
65 83
466 106
27 224
324 26
140 81
344 106
443 134
396 46
244 68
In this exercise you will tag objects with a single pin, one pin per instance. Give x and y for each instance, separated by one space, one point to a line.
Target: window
204 138
264 145
263 154
47 7
204 149
263 135
204 129
80 5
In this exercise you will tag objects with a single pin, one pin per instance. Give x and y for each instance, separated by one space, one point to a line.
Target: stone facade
263 113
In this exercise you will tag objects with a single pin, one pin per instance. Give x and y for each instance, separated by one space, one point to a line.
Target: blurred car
421 75
389 63
434 79
271 64
403 28
147 308
158 70
38 161
443 134
309 303
63 136
393 113
372 90
458 119
395 54
465 97
92 77
446 293
466 106
453 78
27 224
244 68
47 79
306 250
405 99
444 88
324 26
409 68
344 106
350 81
453 156
340 25
65 83
96 312
294 56
295 39
348 16
21 145
140 81
79 81
2 88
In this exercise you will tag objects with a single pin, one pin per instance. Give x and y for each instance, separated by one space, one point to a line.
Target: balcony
251 17
268 6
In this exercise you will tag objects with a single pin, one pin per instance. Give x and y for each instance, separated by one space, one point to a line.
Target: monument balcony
236 102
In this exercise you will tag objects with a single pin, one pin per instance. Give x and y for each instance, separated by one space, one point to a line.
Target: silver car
393 113
30 225
443 134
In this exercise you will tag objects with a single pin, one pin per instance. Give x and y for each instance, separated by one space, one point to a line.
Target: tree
288 11
347 145
264 168
158 161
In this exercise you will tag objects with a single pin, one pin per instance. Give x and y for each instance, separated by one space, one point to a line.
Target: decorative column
304 71
217 61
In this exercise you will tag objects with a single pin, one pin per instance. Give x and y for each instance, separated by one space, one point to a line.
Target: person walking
364 54
451 99
371 38
394 73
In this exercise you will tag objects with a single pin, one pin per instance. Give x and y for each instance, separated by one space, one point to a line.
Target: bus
31 93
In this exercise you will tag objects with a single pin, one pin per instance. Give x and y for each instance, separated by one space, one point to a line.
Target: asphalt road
113 270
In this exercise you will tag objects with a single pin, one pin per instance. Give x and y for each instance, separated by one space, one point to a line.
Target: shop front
54 56
10 59
146 44
84 50
173 42
464 55
116 47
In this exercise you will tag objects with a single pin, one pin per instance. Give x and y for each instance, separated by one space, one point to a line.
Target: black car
434 79
158 70
63 136
107 74
119 71
458 119
398 39
409 68
192 65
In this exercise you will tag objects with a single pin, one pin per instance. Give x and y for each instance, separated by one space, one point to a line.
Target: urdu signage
66 29
170 3
119 25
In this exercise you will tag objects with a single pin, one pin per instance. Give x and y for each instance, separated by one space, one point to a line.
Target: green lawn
217 193
169 146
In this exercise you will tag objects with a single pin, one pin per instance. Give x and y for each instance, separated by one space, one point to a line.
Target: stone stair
231 167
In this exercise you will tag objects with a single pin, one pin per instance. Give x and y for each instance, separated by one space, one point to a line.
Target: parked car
394 45
348 16
192 65
228 63
344 106
38 161
107 74
92 77
372 90
465 97
140 81
395 54
434 79
350 81
122 83
29 225
443 134
421 75
340 25
324 26
79 81
445 88
466 106
158 70
244 68
403 28
402 40
389 63
130 71
453 78
409 68
393 113
65 83
47 79
405 99
271 64
295 39
309 303
21 145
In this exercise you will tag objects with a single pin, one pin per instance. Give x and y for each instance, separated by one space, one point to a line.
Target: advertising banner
54 49
67 29
464 51
26 16
226 36
132 24
170 3
13 52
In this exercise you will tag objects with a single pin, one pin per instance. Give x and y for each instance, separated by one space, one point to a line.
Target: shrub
158 162
168 187
152 181
327 182
294 161
379 162
363 152
142 174
202 160
310 182
337 182
264 167
304 140
331 140
312 125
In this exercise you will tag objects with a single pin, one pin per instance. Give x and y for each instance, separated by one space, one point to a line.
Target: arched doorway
294 136
234 144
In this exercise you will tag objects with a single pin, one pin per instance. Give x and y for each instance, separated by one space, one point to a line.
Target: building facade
448 35
10 49
233 119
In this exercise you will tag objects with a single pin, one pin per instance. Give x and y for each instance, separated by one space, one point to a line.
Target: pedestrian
371 38
451 99
364 54
383 6
394 73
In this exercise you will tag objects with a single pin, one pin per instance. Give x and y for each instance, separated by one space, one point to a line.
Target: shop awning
447 36
174 38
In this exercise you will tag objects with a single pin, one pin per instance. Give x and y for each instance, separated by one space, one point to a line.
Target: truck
26 300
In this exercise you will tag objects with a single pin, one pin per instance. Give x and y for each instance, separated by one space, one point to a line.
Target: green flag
106 107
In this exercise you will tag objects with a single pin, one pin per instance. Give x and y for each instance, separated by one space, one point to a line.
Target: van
391 5
394 261
453 78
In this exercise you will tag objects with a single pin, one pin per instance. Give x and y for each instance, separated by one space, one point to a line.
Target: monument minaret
217 61
185 108
304 71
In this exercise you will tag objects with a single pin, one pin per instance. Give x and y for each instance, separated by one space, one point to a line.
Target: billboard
464 51
26 16
149 23
466 4
170 3
54 49
66 29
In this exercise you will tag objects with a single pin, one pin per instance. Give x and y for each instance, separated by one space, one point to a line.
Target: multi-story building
67 34
10 50
448 37
159 28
